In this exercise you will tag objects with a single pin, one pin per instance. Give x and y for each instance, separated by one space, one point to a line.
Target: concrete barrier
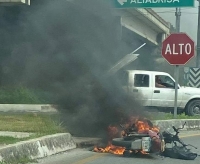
191 124
27 108
37 148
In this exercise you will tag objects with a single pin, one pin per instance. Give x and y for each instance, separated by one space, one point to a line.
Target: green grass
8 140
35 123
39 124
22 95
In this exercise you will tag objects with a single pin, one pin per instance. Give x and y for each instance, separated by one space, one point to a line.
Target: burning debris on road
135 129
140 136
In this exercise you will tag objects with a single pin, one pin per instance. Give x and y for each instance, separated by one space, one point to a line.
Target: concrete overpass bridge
138 26
145 23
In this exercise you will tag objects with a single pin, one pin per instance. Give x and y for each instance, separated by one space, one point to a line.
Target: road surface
84 156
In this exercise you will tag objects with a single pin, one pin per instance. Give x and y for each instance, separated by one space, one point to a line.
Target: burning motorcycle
140 138
178 148
150 141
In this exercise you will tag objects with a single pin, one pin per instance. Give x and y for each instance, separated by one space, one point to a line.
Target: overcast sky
189 19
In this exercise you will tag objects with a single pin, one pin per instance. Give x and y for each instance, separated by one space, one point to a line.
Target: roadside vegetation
38 124
22 95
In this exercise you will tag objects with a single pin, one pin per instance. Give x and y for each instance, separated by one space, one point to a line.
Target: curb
41 108
191 124
37 148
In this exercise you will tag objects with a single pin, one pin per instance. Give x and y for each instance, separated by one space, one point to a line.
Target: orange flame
110 149
142 126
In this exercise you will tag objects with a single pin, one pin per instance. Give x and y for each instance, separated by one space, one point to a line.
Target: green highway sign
152 3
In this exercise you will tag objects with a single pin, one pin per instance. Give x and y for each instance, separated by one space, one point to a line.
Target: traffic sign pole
178 15
176 90
198 38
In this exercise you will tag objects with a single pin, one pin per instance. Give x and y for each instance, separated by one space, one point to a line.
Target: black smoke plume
65 48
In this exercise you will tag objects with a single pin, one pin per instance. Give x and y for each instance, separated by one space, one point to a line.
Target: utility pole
178 21
198 39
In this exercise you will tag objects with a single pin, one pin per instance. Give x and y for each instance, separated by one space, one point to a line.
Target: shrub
21 95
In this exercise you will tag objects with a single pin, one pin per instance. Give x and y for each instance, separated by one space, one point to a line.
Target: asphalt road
84 156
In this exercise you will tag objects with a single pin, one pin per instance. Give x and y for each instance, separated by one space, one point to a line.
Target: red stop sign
178 49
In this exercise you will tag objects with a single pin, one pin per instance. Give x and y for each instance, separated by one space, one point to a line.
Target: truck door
164 91
141 88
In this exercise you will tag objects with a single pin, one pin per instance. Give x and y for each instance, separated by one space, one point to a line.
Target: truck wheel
193 108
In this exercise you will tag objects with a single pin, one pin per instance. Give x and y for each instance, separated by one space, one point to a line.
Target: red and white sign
178 49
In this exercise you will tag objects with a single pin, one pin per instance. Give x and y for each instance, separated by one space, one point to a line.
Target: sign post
177 49
176 90
178 21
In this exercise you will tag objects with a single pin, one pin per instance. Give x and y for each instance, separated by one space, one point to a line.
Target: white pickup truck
145 88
